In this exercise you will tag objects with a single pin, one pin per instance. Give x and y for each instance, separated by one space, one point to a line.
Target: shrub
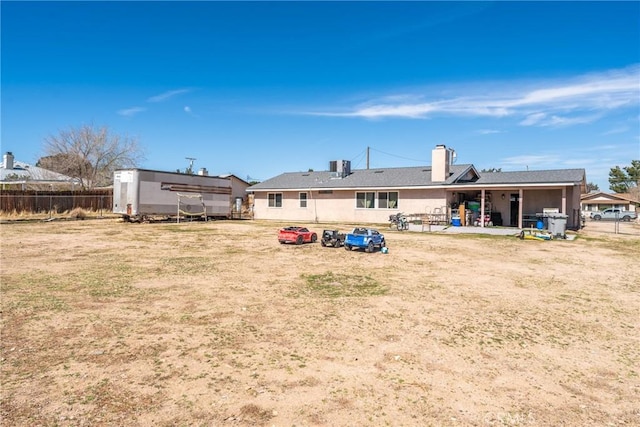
78 213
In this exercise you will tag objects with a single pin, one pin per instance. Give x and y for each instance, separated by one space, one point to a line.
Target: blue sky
260 88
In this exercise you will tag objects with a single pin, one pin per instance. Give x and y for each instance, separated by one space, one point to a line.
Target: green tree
492 170
90 154
625 179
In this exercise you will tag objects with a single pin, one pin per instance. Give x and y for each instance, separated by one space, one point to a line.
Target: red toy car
297 235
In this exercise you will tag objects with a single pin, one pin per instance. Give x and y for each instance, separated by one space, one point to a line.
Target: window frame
274 197
366 198
387 199
303 200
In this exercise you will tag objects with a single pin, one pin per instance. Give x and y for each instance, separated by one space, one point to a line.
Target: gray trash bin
557 224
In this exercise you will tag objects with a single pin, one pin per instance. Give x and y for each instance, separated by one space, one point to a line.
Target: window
388 200
365 200
275 200
303 200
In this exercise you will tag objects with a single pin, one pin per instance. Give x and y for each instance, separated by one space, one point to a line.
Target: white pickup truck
613 213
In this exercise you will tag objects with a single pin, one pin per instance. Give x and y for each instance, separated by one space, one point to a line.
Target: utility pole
190 170
367 157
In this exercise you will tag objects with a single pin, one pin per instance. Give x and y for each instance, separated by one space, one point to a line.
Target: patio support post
520 211
482 195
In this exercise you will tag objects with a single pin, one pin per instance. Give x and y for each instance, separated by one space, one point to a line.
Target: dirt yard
107 323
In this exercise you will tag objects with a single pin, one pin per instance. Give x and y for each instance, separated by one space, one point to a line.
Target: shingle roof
25 171
533 177
360 178
413 177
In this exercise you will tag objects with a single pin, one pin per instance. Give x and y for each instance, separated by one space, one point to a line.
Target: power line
361 156
422 161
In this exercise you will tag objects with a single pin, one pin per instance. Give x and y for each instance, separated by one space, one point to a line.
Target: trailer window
275 200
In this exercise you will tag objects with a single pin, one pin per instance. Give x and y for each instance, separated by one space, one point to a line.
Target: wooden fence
32 201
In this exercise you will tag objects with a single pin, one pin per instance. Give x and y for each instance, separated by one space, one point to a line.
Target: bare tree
90 154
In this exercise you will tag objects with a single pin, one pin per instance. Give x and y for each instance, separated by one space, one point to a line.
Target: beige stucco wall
340 206
536 200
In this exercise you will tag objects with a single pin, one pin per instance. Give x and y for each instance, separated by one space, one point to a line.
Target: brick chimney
440 161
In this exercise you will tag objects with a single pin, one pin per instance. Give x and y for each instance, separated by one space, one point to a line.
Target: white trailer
140 194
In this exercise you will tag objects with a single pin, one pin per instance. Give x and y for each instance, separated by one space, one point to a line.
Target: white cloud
541 119
533 119
582 99
606 90
621 129
190 112
167 95
130 112
407 110
607 147
488 131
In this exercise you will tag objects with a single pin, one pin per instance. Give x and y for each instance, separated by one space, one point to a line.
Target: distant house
443 189
598 201
19 175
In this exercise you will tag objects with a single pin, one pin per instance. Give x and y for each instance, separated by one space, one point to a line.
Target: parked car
297 235
332 238
613 213
364 238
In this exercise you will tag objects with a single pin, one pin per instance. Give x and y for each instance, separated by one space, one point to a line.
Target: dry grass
110 323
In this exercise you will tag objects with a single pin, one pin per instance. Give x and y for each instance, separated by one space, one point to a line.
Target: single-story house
438 192
19 175
598 201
